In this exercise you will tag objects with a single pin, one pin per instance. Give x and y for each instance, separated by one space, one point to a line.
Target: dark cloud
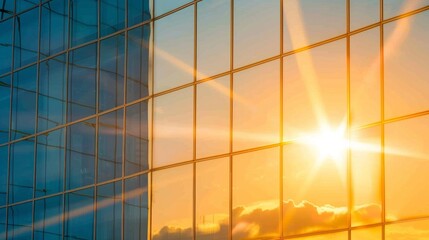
298 218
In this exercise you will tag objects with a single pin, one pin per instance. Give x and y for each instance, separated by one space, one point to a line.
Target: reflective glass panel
48 214
213 107
393 8
112 16
79 215
6 45
256 30
173 127
50 163
21 171
111 86
315 90
54 27
138 62
24 102
83 21
365 77
364 13
3 175
110 128
3 223
330 236
314 189
212 199
255 195
213 36
163 6
366 176
80 154
8 8
52 94
172 221
137 138
136 208
26 34
138 11
109 211
21 5
406 168
19 222
405 57
367 234
5 92
256 106
407 230
307 21
174 50
82 82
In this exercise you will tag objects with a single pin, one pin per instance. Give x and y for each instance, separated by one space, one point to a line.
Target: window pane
112 16
3 175
26 34
406 167
393 8
8 6
137 138
172 221
254 39
21 171
138 62
6 46
314 90
109 211
213 100
80 154
3 223
20 221
54 27
111 72
48 213
21 5
50 163
174 50
110 127
163 6
213 37
82 82
52 93
367 234
138 11
79 214
255 197
83 21
405 55
366 176
364 13
173 127
24 102
365 77
212 196
307 21
330 236
256 106
314 189
136 208
407 230
5 92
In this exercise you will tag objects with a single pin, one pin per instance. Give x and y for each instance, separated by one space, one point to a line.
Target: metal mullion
152 104
382 140
194 124
348 135
281 124
231 113
124 119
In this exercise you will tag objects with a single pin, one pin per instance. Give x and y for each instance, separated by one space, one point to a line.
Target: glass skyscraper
214 119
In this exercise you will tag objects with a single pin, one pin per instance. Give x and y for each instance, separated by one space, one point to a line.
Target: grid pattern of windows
206 119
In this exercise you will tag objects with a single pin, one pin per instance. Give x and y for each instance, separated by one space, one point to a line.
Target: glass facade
214 119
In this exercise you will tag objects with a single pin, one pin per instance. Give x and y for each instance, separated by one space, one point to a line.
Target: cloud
302 217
